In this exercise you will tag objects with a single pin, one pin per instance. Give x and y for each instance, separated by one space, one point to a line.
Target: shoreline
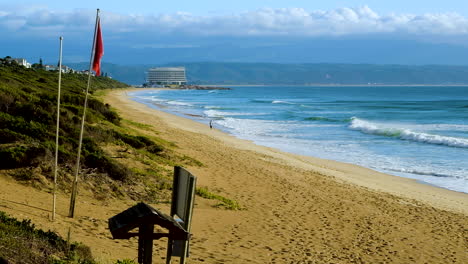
203 119
342 85
351 173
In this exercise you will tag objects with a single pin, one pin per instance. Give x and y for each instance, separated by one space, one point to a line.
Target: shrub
96 158
8 136
21 242
105 164
130 140
139 142
21 156
126 261
19 125
23 174
155 149
5 101
223 201
104 110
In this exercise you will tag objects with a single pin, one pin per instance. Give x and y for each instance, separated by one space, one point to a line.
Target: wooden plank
156 236
145 244
121 224
183 195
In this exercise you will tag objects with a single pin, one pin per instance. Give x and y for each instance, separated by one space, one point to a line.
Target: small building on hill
166 76
22 62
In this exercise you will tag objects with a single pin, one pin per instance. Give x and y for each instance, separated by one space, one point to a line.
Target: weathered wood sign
144 217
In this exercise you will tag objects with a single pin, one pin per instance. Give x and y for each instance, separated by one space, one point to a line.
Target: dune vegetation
118 159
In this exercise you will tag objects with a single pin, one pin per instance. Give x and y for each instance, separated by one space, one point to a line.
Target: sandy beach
297 209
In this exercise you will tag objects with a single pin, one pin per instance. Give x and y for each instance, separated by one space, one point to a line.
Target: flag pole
58 128
71 212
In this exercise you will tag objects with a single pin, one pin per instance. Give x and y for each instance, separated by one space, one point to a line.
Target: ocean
415 132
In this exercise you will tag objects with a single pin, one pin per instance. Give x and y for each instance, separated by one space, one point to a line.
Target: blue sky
353 31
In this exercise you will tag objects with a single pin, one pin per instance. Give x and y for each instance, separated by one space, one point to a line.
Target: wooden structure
183 196
144 217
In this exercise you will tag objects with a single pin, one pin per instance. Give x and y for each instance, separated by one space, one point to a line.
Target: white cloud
267 21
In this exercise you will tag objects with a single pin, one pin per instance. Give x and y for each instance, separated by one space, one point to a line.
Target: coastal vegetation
120 158
126 156
28 99
22 242
223 202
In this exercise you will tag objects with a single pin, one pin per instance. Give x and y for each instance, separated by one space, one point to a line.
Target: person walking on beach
211 124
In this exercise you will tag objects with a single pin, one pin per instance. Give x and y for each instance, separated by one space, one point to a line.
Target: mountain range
229 73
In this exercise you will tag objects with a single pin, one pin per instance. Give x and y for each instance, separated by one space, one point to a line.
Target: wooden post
145 244
183 197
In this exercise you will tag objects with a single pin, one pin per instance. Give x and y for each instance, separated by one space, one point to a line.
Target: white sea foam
280 102
440 127
154 99
216 113
212 107
246 128
144 97
178 103
406 134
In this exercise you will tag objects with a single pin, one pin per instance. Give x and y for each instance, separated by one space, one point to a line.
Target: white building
23 62
65 69
166 75
50 68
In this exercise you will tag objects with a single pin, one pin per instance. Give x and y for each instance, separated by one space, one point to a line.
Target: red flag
98 50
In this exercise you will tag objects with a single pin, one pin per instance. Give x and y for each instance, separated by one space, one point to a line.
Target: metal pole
58 128
71 212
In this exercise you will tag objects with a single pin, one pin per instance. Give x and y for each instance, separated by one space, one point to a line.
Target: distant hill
133 74
297 74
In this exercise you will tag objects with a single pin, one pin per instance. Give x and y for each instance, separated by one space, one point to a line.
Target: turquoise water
414 132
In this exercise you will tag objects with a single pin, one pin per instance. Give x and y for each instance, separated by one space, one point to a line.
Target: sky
152 32
206 7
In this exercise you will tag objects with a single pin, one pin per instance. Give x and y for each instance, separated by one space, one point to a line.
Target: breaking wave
280 102
178 103
406 134
216 113
264 101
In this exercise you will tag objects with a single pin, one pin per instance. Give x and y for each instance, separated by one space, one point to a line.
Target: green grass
138 125
22 242
223 201
126 261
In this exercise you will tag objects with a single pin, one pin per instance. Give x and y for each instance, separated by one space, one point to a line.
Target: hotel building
166 75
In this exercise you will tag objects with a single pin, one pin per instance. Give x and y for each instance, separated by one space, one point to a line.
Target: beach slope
300 209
